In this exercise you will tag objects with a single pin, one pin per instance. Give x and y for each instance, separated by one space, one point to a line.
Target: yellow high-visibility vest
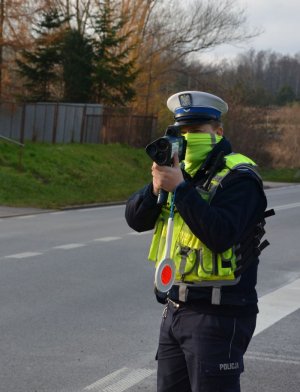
195 262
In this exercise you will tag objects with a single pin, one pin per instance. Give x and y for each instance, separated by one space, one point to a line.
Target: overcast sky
280 22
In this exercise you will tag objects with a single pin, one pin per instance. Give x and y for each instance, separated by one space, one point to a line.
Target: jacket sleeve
142 210
221 224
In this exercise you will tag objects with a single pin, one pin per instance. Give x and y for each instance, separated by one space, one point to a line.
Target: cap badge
185 100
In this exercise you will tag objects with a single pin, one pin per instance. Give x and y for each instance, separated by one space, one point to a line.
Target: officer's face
204 128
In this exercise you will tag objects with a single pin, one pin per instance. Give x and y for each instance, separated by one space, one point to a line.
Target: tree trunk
1 43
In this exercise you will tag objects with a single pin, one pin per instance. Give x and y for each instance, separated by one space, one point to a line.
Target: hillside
55 176
59 175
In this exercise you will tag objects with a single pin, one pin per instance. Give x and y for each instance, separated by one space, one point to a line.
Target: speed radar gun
162 152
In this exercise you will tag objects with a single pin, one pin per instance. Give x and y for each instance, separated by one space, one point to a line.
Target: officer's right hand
166 177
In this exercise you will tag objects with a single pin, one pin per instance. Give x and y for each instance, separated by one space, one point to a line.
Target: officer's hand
166 177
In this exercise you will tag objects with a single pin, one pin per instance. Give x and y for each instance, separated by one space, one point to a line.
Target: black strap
263 245
252 239
212 164
252 245
270 212
206 173
217 166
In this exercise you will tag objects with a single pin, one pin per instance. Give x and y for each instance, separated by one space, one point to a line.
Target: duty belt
183 289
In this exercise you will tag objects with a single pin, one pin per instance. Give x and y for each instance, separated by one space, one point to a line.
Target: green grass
281 175
54 176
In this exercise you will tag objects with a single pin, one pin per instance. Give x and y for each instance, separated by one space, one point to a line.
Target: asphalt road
78 312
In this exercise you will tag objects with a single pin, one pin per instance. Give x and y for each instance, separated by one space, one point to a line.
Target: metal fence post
22 127
83 122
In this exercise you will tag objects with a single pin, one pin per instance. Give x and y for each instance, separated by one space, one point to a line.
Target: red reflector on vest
165 275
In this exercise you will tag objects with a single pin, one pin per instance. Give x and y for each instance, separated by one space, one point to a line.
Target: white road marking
277 305
26 216
23 255
273 307
57 213
257 356
133 378
137 233
107 239
106 380
63 247
69 246
286 206
113 382
291 187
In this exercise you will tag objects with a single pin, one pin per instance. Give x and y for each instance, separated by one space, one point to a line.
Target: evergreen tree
114 72
77 56
39 67
97 68
285 95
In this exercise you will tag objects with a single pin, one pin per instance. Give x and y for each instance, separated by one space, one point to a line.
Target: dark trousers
199 352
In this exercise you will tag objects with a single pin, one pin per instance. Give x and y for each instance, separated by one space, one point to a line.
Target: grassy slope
72 174
60 175
281 175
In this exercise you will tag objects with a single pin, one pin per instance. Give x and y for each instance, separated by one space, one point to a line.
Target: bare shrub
270 136
247 129
285 149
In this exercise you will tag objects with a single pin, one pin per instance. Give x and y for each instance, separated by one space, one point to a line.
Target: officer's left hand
166 177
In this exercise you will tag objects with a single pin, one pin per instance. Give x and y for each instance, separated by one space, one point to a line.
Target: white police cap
192 106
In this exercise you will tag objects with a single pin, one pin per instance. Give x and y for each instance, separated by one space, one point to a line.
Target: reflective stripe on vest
195 262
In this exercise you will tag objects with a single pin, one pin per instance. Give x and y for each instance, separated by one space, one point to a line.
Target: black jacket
235 210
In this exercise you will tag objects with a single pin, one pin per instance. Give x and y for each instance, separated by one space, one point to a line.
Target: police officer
219 203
